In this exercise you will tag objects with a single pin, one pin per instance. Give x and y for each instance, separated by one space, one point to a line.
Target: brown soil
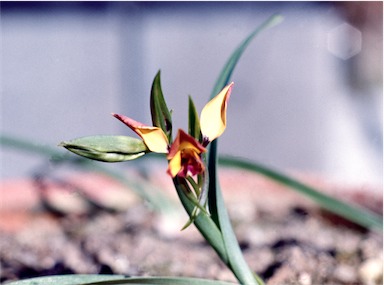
285 238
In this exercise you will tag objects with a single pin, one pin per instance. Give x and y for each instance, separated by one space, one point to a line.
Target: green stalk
203 222
237 262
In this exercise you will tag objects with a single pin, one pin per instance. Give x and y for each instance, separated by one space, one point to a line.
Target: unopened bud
107 148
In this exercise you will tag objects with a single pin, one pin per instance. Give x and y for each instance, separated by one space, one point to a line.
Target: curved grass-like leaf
226 72
71 279
216 203
358 215
163 281
221 82
94 279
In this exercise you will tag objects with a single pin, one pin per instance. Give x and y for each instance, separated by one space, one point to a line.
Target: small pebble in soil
305 279
371 271
345 273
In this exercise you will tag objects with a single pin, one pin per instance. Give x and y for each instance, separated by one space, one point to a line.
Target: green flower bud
107 148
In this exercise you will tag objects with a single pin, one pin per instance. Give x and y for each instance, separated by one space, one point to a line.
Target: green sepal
161 116
107 148
193 121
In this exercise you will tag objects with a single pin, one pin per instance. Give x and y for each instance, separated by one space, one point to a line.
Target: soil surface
285 238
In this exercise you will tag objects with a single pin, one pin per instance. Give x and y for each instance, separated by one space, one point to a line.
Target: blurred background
307 95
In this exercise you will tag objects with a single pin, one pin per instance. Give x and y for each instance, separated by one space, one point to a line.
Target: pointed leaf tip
193 121
161 116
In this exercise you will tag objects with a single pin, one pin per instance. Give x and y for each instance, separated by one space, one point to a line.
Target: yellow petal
153 137
213 117
174 165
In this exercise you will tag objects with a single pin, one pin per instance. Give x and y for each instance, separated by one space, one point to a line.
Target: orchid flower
184 154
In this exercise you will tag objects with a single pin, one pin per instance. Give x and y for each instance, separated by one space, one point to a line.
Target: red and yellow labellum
185 156
153 137
213 118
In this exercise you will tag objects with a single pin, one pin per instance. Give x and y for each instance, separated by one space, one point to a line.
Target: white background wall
67 66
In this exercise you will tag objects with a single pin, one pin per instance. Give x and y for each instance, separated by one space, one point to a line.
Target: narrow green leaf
163 280
161 116
213 184
94 279
228 68
221 82
107 148
215 200
358 215
71 279
193 121
236 259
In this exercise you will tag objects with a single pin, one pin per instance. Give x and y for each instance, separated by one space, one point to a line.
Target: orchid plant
187 162
191 157
192 165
